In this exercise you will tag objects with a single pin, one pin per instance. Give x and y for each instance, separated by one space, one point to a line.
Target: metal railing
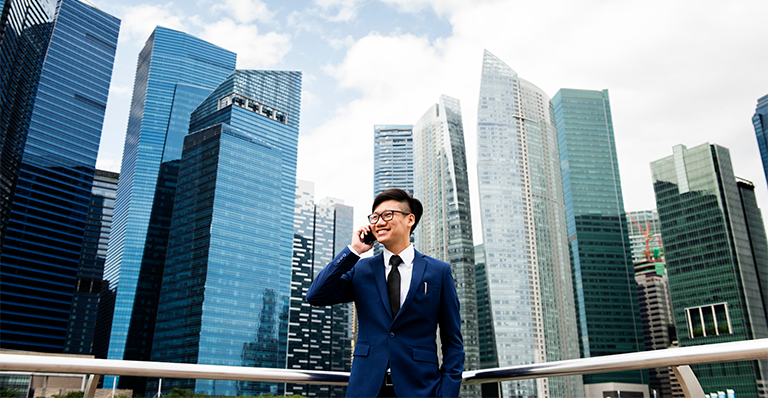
677 358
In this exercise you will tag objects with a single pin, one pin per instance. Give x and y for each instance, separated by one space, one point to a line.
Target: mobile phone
368 238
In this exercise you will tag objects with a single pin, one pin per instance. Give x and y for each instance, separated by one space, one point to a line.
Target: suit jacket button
392 335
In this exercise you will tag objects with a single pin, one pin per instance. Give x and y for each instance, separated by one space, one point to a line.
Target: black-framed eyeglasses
385 215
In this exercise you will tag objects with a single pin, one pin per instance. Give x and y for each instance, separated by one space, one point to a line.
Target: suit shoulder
435 262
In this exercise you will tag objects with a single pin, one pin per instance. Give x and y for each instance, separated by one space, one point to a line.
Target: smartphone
368 238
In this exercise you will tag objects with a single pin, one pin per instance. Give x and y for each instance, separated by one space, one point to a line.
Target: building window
708 320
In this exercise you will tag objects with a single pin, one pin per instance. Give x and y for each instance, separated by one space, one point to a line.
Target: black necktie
393 285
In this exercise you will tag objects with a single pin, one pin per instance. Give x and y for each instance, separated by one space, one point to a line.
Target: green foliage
185 393
8 392
71 394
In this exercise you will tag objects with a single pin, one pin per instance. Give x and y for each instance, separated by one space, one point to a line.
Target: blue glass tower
226 288
603 272
175 72
760 120
392 158
50 128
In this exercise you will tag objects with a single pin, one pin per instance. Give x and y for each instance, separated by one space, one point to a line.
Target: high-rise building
642 225
657 319
716 251
760 120
392 158
319 338
486 339
174 74
445 230
85 303
50 129
226 286
603 271
524 235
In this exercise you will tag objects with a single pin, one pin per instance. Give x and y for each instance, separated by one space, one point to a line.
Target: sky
677 71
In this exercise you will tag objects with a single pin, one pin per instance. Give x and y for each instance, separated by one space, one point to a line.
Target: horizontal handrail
679 356
712 353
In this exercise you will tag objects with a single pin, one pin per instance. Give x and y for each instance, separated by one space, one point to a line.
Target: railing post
688 381
90 387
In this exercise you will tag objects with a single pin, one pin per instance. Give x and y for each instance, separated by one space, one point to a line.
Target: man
401 296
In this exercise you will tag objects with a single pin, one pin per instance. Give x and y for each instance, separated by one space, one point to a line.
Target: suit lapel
381 281
419 265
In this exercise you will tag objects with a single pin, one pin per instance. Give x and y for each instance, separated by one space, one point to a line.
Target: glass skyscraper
716 251
85 304
319 338
644 221
603 271
760 120
226 286
445 230
174 74
392 158
56 61
524 235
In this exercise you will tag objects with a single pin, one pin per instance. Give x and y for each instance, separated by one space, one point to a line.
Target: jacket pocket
361 349
422 355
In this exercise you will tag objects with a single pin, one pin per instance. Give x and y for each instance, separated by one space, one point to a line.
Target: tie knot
395 260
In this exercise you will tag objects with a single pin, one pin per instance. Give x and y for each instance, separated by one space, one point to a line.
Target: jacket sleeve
333 285
452 344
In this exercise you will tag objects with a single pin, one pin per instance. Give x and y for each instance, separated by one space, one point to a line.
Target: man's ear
411 219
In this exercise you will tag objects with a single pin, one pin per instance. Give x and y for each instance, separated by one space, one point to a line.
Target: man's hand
357 240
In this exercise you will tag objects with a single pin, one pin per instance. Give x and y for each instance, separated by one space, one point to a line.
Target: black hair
413 204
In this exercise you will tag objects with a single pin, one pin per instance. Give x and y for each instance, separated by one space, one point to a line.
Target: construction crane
648 237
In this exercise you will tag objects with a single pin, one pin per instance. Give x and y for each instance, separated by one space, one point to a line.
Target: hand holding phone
368 238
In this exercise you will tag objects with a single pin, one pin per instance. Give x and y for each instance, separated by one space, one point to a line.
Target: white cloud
245 11
341 43
681 72
338 10
254 50
139 21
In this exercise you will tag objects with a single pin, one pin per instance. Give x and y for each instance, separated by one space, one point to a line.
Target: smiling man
402 296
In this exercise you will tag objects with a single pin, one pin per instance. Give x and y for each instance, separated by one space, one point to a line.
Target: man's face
397 231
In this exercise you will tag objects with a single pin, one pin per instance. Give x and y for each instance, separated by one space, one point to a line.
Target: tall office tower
445 230
603 272
226 286
486 340
526 253
50 128
760 120
85 303
716 252
642 225
657 319
318 338
175 72
392 158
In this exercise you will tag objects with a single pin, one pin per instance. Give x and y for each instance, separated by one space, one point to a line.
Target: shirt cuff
353 250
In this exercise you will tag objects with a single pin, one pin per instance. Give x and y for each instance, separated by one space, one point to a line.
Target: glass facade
175 72
392 158
85 303
445 229
646 221
760 120
603 272
318 338
714 240
524 236
50 121
226 285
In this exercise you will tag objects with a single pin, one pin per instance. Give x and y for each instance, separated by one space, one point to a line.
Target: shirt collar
407 255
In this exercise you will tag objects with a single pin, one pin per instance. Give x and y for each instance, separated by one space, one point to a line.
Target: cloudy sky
678 72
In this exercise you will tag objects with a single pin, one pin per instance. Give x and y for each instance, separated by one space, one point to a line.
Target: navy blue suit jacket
407 342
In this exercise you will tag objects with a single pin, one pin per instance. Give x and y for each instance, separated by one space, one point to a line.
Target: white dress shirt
406 269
